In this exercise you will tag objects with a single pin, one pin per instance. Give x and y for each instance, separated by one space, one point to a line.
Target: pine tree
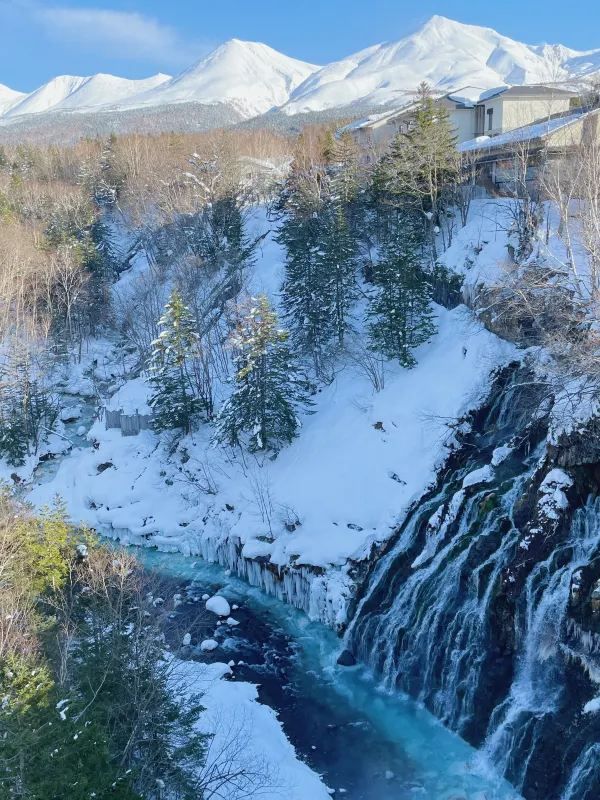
307 289
319 233
343 166
173 399
422 162
14 443
109 179
27 410
268 391
400 312
336 262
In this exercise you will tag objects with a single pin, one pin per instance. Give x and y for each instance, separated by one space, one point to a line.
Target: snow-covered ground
292 524
247 738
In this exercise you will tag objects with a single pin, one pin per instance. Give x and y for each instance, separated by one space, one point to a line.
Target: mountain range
252 79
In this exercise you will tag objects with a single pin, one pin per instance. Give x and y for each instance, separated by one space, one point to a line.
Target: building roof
470 96
538 130
375 119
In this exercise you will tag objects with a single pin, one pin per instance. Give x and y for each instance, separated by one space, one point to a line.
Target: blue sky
40 38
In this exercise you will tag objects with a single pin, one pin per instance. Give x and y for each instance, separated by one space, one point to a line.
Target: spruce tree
268 391
307 289
173 399
27 410
422 163
343 166
319 234
336 262
14 443
400 315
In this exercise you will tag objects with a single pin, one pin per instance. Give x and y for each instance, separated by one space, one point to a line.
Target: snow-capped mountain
73 93
8 98
251 78
444 53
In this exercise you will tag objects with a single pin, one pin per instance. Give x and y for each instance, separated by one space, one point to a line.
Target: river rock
70 414
218 605
346 659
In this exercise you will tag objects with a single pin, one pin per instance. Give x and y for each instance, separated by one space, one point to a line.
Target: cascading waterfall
529 713
584 776
461 616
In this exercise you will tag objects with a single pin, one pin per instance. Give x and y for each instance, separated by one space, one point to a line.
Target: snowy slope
69 92
47 96
345 483
8 98
101 90
446 54
251 77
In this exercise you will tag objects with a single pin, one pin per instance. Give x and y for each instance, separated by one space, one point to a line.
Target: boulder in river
346 659
218 605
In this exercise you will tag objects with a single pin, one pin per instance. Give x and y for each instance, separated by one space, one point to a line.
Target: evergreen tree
343 166
422 163
173 399
109 179
319 232
14 443
336 262
27 409
88 703
307 289
268 390
400 312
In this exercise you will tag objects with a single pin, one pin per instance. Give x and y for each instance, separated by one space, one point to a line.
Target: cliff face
486 605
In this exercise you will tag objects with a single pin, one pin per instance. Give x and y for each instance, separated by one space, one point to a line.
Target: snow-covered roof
376 119
538 130
469 96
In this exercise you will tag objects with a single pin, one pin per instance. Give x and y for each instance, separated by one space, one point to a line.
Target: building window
490 114
479 120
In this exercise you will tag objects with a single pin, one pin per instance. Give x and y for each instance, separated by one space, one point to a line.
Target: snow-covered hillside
292 524
252 78
8 98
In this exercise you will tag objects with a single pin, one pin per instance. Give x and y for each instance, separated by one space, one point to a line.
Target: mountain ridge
252 78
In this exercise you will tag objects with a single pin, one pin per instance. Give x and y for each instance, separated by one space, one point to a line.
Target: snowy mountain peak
74 93
8 98
444 25
253 78
445 53
250 76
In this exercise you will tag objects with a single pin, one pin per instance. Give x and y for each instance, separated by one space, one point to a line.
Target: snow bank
247 732
554 500
482 475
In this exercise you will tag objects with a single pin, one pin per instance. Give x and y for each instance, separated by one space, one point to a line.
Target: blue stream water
340 721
